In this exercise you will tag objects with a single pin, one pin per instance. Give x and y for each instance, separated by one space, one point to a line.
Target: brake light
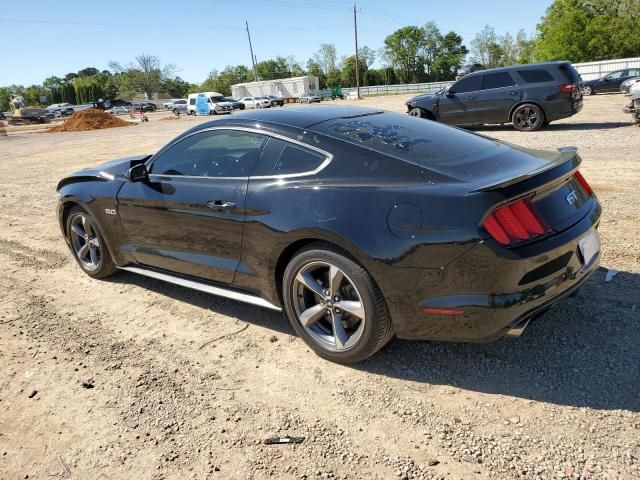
568 87
515 222
583 183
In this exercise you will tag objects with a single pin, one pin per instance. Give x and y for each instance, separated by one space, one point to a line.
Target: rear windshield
419 141
570 73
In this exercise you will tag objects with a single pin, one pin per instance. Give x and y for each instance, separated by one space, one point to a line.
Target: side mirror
450 93
138 173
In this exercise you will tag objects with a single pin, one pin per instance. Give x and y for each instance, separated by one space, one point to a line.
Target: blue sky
57 37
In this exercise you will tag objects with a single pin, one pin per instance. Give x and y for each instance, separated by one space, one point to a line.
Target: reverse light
515 222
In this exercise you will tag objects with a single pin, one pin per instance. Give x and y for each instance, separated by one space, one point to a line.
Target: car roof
523 66
298 117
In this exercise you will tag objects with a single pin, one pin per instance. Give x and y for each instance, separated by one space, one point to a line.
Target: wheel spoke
335 280
77 229
83 251
352 307
308 281
94 255
311 315
339 333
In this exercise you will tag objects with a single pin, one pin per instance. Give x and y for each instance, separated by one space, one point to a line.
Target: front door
188 218
458 105
498 95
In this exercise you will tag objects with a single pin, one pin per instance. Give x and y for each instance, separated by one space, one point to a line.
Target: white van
208 103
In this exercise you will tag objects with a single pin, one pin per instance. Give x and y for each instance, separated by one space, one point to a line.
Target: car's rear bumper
494 294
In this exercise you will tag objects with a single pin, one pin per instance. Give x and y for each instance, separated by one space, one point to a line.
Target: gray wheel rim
415 113
328 306
85 242
586 91
527 118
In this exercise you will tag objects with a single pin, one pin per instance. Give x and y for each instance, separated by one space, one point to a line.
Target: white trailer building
283 87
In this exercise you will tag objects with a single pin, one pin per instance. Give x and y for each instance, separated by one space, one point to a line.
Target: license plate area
589 247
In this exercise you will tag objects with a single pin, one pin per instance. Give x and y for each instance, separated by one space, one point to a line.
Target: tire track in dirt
37 258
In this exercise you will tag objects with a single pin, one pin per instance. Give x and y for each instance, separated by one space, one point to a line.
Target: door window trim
328 156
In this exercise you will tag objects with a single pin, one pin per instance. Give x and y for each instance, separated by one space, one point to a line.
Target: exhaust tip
518 329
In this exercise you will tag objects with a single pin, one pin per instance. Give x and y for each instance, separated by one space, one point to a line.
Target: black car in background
276 101
610 82
529 96
235 103
360 224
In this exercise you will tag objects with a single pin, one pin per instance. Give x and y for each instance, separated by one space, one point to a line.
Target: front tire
87 244
417 112
334 305
588 91
528 117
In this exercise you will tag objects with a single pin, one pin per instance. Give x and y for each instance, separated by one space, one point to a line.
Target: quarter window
535 76
221 153
280 157
467 84
497 80
634 72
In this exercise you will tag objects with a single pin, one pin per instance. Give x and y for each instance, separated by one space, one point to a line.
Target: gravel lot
114 379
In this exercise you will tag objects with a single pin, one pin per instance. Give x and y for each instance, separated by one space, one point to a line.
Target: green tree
451 54
486 48
589 30
405 50
315 69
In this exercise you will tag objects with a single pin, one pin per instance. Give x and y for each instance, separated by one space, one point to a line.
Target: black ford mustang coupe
360 224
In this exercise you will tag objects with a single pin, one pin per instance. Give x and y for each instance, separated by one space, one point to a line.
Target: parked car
470 237
610 82
237 105
117 110
267 99
143 106
55 112
67 111
175 103
310 98
528 96
276 101
180 108
255 102
2 117
625 87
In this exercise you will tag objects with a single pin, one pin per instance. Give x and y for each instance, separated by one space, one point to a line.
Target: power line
160 26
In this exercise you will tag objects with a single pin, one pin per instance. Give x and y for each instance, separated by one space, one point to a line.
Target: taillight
583 183
568 87
516 222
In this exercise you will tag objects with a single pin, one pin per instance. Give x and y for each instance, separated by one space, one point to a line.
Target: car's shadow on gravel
584 352
553 127
263 317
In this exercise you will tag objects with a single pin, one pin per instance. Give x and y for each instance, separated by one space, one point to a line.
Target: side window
633 72
467 84
221 153
280 157
535 76
497 80
192 101
615 75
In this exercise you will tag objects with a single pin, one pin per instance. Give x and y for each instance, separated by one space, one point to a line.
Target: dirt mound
91 119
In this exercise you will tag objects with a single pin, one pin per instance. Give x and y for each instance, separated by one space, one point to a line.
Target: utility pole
355 30
253 58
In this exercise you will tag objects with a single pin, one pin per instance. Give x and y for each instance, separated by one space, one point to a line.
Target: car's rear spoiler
566 154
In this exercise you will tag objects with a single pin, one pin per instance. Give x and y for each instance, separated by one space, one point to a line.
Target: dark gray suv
529 96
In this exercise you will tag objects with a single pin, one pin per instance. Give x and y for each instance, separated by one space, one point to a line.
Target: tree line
574 30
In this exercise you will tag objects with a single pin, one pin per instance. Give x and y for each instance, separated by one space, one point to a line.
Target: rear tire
527 117
87 244
588 91
334 305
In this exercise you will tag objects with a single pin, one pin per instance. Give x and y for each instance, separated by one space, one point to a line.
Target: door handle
221 204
